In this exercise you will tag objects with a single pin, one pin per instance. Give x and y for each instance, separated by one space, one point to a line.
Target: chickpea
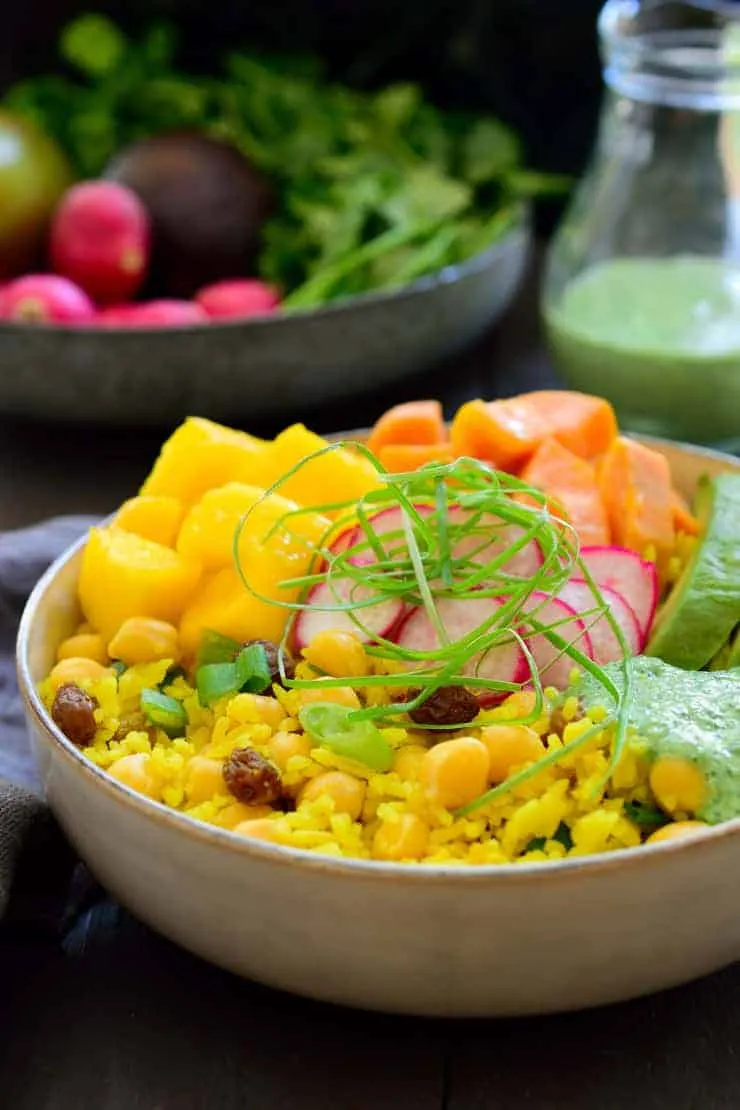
284 745
456 771
84 645
406 838
346 792
678 785
676 831
135 771
510 746
76 670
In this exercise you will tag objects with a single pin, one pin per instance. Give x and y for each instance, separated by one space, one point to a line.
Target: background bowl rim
291 857
447 275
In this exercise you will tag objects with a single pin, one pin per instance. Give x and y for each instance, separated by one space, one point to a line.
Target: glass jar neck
677 55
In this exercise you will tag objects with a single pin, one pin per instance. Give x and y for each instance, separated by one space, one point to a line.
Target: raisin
74 712
449 705
251 778
273 654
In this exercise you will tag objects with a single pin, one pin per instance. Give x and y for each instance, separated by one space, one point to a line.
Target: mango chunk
200 455
124 575
225 605
154 518
339 475
208 531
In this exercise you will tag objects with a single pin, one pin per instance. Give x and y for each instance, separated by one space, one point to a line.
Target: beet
238 298
207 204
100 240
45 299
152 314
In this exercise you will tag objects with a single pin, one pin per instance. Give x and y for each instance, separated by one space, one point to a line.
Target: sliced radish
505 662
632 577
605 644
325 598
555 667
344 540
492 536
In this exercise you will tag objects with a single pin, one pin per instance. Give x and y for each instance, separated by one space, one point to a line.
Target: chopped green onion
163 711
253 672
216 680
118 667
215 648
332 727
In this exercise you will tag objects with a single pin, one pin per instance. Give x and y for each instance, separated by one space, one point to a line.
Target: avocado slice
734 657
701 612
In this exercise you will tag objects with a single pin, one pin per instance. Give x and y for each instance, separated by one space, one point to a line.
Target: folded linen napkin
25 824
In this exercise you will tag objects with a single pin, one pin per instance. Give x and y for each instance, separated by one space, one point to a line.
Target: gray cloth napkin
25 825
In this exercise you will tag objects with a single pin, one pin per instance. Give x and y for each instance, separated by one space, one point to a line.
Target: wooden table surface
113 1017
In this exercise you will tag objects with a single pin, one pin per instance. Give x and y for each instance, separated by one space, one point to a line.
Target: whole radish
100 238
152 314
45 299
238 298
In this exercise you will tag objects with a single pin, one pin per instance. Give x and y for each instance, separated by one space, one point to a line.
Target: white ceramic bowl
524 939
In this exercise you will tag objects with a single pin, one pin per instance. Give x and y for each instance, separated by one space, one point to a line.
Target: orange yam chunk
507 433
683 519
420 423
399 458
572 483
635 484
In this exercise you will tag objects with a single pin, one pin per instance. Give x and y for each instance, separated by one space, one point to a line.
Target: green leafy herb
338 728
163 711
249 672
645 816
561 835
374 189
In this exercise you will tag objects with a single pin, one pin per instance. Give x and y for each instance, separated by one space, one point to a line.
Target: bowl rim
291 857
521 227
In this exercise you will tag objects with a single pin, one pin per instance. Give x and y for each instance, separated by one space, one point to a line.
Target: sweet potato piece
635 483
399 458
571 483
507 433
420 423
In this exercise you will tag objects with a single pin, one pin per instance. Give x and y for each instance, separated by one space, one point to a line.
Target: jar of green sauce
641 296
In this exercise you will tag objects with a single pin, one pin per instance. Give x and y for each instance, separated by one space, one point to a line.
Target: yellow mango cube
208 531
124 575
225 605
339 475
200 455
154 518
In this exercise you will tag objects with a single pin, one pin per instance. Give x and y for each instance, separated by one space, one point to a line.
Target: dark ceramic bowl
255 368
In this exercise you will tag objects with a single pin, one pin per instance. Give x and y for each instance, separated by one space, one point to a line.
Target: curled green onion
437 555
163 711
332 726
215 648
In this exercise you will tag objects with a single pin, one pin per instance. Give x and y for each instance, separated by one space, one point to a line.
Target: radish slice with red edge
504 662
388 522
554 666
491 537
605 644
634 578
325 598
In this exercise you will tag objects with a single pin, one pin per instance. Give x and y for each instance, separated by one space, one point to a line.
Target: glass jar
641 296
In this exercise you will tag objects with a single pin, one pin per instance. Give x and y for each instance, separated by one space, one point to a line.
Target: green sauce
661 339
693 714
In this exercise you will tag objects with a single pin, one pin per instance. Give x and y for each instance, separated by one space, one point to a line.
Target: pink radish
632 577
238 298
326 613
505 662
491 537
606 647
46 299
553 666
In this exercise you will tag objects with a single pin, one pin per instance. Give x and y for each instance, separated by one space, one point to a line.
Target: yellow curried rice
566 810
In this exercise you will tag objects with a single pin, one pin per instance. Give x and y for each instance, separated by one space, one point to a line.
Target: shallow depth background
533 62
